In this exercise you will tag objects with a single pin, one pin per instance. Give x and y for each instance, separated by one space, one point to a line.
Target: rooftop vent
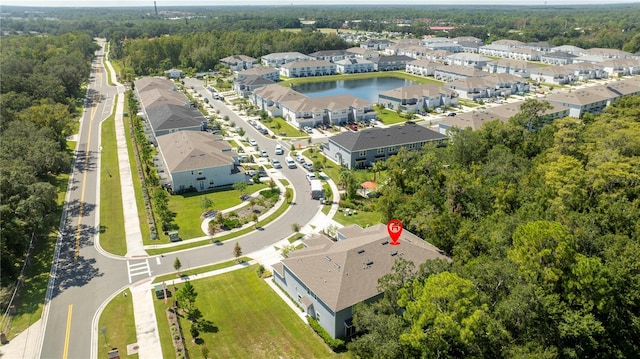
327 258
385 243
369 263
361 251
394 253
336 265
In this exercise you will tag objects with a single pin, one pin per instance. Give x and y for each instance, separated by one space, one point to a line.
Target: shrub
231 223
334 344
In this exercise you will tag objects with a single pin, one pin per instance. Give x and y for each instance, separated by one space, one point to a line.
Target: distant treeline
611 26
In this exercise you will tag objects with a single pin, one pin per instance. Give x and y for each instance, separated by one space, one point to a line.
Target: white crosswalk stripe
139 268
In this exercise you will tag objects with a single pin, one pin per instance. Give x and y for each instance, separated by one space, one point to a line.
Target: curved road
82 277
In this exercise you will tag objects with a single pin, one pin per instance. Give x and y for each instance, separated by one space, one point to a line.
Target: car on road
451 114
290 162
276 163
279 150
308 166
308 129
253 142
264 153
300 159
311 177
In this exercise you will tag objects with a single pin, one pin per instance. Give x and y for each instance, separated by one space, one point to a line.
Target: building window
200 172
210 183
349 329
380 151
362 153
411 146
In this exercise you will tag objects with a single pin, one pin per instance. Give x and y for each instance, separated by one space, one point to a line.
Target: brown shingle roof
346 272
189 150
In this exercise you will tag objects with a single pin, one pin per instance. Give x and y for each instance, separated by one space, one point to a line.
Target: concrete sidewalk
25 345
133 235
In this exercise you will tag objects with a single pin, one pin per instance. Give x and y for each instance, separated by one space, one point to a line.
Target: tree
237 252
295 227
206 203
287 195
543 250
212 228
446 316
186 296
377 167
254 218
177 265
241 187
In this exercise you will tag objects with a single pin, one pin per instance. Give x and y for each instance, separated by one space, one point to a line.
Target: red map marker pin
394 227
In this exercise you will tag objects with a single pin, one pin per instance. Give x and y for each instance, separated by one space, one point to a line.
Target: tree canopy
543 226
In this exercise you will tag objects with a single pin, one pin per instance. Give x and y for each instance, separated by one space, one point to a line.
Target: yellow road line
65 352
84 181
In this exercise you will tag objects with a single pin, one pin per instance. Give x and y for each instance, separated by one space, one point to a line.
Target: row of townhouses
189 158
454 68
576 103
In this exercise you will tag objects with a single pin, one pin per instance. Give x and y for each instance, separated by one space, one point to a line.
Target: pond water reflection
367 89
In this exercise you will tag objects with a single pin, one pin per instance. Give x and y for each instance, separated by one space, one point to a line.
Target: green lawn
363 219
188 208
286 129
112 233
389 117
285 205
199 270
119 332
249 321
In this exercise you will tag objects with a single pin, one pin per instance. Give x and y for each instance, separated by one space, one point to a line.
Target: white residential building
308 68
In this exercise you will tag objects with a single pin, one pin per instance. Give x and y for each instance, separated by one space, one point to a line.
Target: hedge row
335 344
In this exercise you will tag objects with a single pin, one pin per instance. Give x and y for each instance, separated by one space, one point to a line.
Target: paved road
85 278
82 282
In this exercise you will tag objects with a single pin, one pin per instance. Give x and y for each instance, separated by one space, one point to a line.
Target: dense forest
41 89
544 231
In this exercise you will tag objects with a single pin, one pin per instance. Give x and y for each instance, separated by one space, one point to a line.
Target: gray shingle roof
384 137
167 117
346 272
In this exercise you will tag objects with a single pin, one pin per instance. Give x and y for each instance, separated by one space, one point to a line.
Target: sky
174 3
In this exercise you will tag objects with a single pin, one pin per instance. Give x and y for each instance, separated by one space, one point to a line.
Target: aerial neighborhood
323 282
356 181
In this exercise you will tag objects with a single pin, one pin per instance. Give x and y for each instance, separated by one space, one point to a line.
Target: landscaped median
283 206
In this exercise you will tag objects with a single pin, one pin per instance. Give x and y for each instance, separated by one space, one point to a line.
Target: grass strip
112 233
200 270
117 320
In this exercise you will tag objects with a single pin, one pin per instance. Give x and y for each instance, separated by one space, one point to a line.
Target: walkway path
133 234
